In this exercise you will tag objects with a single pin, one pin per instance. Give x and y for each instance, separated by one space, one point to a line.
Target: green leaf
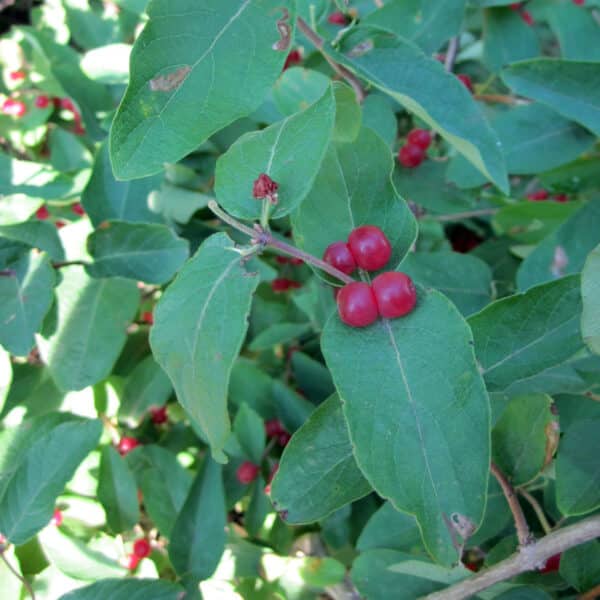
465 279
298 88
576 30
355 180
33 474
149 253
519 437
577 469
564 251
348 114
289 151
106 198
117 491
67 151
520 337
146 386
427 23
6 376
82 341
317 473
400 413
198 536
524 593
292 409
250 432
278 333
571 88
25 298
126 589
580 566
590 294
376 572
176 204
37 234
391 529
251 385
165 484
401 70
378 115
192 342
190 57
507 38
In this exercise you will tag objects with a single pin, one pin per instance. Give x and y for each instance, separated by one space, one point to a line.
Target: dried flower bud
265 187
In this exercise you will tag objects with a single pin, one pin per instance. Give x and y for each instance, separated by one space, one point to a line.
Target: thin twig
20 577
318 42
591 594
68 263
464 215
500 99
451 53
529 558
537 509
264 238
523 533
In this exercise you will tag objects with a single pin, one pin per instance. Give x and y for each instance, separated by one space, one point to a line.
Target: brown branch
590 594
262 237
318 42
523 533
20 577
529 558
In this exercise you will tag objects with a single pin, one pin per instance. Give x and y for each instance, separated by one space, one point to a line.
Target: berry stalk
258 235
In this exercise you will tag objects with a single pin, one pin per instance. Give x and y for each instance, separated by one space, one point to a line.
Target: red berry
356 303
515 6
59 224
282 260
273 427
579 2
419 137
265 187
148 317
466 80
281 284
552 564
141 548
337 18
538 195
14 108
526 16
158 414
132 562
338 255
57 518
247 472
283 439
296 262
42 101
126 445
411 156
16 75
472 567
78 209
293 58
79 129
370 247
561 198
42 213
66 104
395 294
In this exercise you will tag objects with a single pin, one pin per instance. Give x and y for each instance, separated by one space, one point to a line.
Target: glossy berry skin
395 294
338 255
16 75
141 548
466 80
126 445
552 564
42 213
148 317
370 247
293 58
14 108
57 518
337 18
158 415
132 562
357 306
78 209
411 156
247 472
420 137
42 102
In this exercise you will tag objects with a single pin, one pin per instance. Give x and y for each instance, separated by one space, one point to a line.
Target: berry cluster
412 154
541 195
390 295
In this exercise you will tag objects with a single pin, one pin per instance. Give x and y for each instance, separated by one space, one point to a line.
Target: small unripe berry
370 247
419 137
42 101
411 156
395 294
14 108
357 306
338 255
126 445
141 548
247 472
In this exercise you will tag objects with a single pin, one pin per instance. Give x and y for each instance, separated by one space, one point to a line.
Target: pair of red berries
141 549
391 294
540 195
412 154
